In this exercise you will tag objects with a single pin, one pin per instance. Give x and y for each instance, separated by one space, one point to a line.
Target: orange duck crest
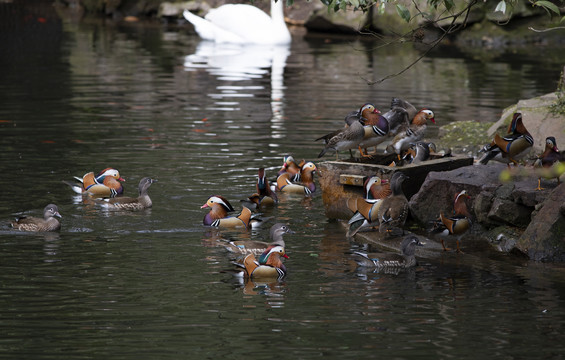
423 116
106 183
459 206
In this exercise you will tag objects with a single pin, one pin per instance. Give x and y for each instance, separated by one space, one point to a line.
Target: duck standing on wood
394 209
411 134
457 224
510 148
548 164
48 223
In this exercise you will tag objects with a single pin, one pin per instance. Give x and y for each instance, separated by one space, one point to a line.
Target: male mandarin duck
457 224
258 247
411 134
381 261
366 209
48 223
510 148
218 215
547 163
264 196
307 185
106 184
269 264
376 130
292 167
394 209
143 201
347 139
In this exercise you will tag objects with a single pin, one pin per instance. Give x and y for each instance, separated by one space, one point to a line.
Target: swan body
242 24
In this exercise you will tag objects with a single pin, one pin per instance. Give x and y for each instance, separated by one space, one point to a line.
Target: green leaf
403 12
548 6
449 4
355 3
501 7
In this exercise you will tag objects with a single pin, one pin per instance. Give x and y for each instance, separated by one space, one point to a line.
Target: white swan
242 24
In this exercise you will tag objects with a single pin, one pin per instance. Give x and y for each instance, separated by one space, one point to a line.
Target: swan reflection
234 63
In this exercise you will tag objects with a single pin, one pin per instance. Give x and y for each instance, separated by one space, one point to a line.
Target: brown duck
394 209
48 223
143 201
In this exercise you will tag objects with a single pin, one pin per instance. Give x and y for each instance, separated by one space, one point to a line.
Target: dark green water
151 285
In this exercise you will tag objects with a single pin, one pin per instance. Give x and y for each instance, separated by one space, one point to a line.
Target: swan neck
277 10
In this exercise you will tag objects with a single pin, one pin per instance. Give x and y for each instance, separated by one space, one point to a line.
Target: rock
544 238
509 212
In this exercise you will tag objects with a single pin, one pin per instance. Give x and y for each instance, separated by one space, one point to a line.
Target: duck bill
204 206
121 179
285 256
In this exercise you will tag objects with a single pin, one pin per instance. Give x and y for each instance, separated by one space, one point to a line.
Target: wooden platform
343 179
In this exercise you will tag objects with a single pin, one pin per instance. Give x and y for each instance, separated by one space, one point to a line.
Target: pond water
151 101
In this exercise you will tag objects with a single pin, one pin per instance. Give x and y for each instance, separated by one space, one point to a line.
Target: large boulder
544 239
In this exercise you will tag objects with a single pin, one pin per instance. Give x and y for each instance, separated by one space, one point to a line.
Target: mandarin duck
346 140
143 201
546 163
411 134
264 196
382 261
419 152
394 209
457 224
360 115
48 223
269 265
218 215
307 185
292 167
376 130
510 148
366 209
106 184
258 247
399 115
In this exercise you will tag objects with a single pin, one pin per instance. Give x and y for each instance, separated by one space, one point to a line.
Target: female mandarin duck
366 209
258 247
347 139
269 265
143 201
48 223
106 184
546 162
512 147
394 209
362 115
382 261
455 225
419 152
412 134
218 215
307 187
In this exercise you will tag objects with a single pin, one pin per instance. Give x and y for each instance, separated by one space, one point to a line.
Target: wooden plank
350 179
